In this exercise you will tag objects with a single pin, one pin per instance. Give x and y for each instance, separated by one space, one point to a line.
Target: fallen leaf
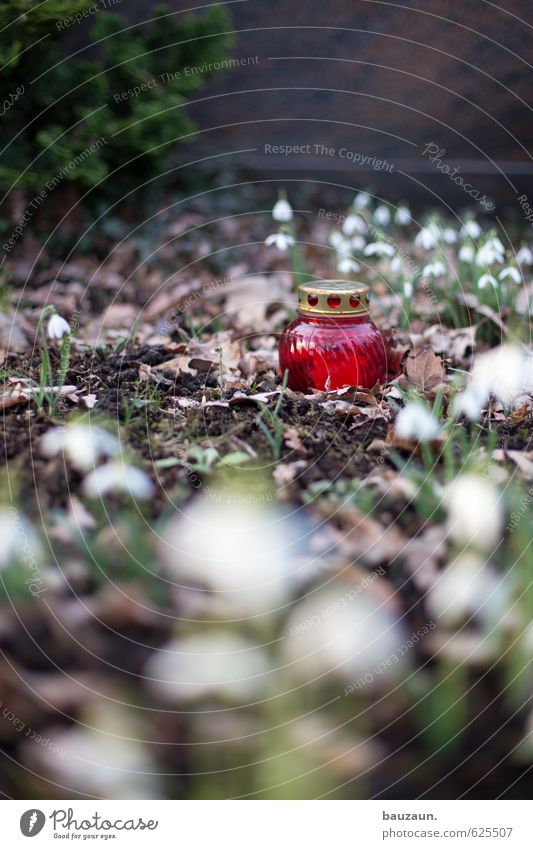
293 439
424 369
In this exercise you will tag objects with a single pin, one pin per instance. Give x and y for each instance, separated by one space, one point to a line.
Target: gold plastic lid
333 297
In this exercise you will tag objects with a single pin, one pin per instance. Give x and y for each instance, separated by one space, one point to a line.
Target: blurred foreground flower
20 542
232 557
415 421
118 477
83 444
469 587
101 758
503 372
475 512
212 665
345 631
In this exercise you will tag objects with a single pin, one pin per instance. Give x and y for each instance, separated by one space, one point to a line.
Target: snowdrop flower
428 237
336 632
20 542
466 253
382 215
491 252
346 264
469 403
434 269
500 372
203 666
471 228
402 216
83 444
407 289
118 477
379 249
503 372
524 256
475 512
282 211
101 757
337 241
281 240
354 224
396 264
361 200
415 421
486 280
450 235
468 587
232 558
511 272
357 243
57 327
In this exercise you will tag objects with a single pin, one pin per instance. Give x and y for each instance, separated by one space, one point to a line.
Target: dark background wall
378 79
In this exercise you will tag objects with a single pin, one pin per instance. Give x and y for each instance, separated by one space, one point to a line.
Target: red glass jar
333 342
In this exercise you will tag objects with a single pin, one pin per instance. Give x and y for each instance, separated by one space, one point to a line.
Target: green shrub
112 113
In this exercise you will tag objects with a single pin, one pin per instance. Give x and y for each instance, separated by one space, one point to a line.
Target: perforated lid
333 297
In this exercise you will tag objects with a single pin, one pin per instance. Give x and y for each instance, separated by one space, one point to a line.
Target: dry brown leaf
293 439
424 369
285 473
458 344
176 366
523 460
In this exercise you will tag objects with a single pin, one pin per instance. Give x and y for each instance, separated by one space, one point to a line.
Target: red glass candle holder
333 342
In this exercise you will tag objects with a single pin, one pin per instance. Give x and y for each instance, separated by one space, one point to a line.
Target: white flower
337 631
402 216
382 215
504 372
466 253
57 327
415 421
83 444
485 280
434 269
500 372
337 241
450 235
232 557
102 756
203 666
357 243
361 200
524 256
468 587
511 272
490 253
475 512
119 478
281 240
354 224
282 211
428 237
407 289
469 403
379 249
471 228
396 264
346 264
20 542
